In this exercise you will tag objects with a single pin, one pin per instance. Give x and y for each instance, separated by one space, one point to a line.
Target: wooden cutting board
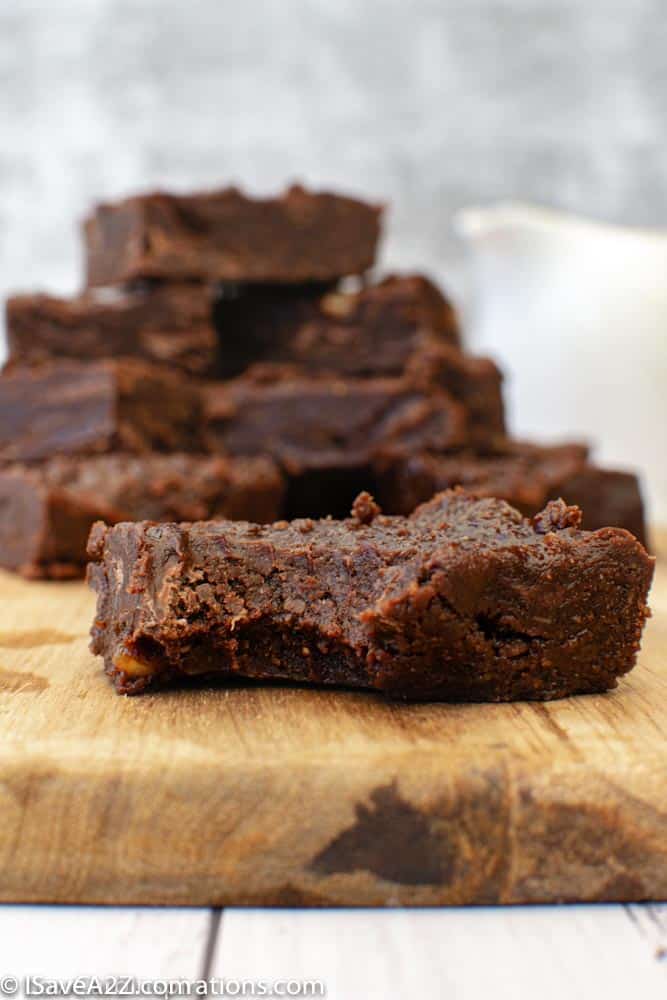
279 795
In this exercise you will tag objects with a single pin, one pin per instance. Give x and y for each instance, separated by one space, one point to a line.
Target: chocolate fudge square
525 474
375 330
465 600
225 235
220 331
44 529
611 497
170 324
48 509
476 382
70 407
326 422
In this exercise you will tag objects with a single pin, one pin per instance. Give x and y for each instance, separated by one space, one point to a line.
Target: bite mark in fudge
70 407
47 510
526 475
376 330
463 600
161 323
226 236
327 423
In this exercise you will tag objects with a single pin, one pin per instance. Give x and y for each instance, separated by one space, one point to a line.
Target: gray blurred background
427 104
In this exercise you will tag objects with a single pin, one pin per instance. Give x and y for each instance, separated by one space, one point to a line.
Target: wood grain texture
287 796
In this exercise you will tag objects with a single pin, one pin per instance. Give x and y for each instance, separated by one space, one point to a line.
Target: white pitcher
576 313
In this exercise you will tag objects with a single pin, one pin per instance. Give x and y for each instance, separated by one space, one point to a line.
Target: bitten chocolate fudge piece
464 600
168 324
47 510
526 475
327 423
226 236
69 407
376 330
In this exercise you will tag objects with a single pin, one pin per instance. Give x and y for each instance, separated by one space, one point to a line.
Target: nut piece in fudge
48 509
169 324
70 407
225 235
464 600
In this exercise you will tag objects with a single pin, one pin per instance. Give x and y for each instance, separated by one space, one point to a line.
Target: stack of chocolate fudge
230 357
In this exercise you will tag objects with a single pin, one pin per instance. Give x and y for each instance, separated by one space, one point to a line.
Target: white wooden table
564 953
